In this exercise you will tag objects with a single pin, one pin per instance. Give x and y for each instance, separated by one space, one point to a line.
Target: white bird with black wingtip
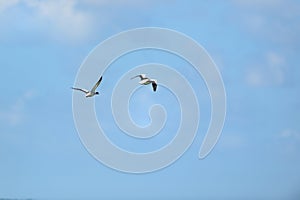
93 90
146 81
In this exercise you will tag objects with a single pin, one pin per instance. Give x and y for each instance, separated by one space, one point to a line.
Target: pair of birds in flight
144 81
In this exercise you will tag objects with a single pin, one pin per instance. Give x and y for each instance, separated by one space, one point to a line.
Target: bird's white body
146 81
90 94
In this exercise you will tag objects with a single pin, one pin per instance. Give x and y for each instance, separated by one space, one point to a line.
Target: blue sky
254 43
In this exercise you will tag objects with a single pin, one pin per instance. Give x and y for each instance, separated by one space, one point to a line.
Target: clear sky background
255 44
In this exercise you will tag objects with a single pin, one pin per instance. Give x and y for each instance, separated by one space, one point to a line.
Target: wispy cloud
289 141
4 4
271 20
259 3
118 2
68 20
60 19
63 17
232 141
15 113
290 134
271 71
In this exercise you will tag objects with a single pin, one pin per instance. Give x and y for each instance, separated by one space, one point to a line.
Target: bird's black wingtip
154 86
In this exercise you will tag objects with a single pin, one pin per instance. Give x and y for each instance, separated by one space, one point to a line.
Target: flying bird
145 81
93 90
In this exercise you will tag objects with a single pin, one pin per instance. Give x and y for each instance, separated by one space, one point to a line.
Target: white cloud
15 113
61 19
290 134
232 141
5 4
114 2
288 141
272 71
66 20
277 66
258 3
255 77
271 20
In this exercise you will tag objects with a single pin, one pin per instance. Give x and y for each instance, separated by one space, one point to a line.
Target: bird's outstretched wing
142 76
79 89
154 86
96 85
